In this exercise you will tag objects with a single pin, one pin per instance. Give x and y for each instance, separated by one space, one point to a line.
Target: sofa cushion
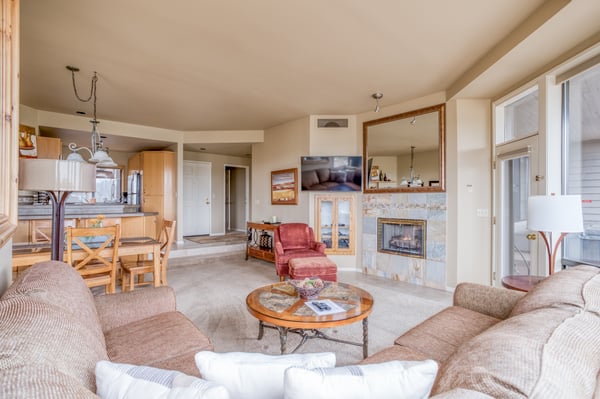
309 179
295 236
394 352
323 174
58 284
338 176
167 340
439 336
350 176
562 289
37 333
298 253
256 375
547 352
126 381
395 379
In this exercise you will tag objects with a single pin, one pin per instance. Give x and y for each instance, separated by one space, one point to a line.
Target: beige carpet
212 291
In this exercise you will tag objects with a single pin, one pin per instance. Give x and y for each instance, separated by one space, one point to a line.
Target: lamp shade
102 158
555 213
75 156
56 175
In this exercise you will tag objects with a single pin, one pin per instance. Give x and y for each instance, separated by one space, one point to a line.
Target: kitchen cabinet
158 183
40 230
335 224
139 226
48 147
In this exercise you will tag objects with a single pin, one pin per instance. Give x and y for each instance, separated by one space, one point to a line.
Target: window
581 160
518 117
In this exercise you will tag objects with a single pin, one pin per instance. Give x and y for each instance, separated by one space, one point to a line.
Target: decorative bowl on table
309 288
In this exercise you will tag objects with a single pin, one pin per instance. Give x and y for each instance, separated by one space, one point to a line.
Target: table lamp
554 213
58 178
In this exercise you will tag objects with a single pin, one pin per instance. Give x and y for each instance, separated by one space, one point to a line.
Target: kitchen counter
35 221
82 211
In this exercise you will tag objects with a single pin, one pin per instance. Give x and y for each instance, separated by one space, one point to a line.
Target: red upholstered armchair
294 240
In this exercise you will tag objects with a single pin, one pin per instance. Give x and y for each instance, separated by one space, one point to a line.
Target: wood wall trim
9 119
7 230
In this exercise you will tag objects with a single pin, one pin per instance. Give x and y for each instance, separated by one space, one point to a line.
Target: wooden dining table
25 255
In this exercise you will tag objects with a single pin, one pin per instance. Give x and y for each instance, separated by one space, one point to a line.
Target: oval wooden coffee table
278 306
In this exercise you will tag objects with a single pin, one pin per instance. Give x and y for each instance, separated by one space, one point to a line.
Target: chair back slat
167 236
93 241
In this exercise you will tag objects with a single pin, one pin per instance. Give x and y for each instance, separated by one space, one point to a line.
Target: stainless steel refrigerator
134 187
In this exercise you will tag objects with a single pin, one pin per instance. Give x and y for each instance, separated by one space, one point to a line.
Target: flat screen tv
331 173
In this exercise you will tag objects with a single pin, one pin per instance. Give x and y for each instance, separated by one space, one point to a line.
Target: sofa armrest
318 246
123 308
492 301
278 248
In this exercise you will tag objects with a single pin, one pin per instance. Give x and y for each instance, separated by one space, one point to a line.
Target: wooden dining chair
138 268
85 247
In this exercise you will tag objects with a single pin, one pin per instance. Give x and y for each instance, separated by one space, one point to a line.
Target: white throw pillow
126 381
395 379
254 375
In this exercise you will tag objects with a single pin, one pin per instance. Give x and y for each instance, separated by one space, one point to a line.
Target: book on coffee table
324 307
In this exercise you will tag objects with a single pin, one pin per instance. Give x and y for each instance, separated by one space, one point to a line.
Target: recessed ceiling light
80 112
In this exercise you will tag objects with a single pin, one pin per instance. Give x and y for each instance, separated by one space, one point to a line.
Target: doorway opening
236 198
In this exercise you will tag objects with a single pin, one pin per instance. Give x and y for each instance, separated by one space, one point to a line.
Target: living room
468 116
527 53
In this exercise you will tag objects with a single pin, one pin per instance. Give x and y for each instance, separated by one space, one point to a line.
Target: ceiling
198 65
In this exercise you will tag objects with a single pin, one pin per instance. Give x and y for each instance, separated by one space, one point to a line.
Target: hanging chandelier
98 154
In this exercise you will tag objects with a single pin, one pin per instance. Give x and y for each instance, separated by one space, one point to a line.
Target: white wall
469 189
334 141
282 149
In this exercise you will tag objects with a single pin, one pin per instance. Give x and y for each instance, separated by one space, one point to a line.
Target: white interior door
196 198
516 174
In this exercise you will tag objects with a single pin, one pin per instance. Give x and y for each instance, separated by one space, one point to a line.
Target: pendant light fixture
98 154
377 96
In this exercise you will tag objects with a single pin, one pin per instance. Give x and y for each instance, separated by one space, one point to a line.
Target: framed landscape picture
284 187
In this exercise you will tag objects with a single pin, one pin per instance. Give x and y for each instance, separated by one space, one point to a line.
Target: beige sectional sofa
491 343
53 331
499 343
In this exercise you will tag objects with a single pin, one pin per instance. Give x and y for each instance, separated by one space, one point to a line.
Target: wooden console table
260 240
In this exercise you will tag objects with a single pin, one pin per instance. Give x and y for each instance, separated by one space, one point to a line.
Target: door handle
531 236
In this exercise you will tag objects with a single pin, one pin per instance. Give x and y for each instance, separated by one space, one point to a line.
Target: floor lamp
560 214
58 178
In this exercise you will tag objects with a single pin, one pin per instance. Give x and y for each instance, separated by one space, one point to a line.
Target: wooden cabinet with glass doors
335 223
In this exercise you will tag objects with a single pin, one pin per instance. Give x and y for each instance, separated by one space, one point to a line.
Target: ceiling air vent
333 123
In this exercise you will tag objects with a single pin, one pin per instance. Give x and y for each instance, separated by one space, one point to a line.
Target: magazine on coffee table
324 307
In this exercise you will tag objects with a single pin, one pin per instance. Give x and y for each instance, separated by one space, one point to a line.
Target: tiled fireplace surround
430 271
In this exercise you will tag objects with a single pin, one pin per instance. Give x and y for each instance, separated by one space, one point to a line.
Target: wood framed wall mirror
406 152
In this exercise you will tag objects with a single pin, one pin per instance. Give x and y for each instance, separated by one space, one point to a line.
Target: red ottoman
320 266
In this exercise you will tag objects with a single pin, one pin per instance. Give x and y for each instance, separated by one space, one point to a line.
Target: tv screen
332 173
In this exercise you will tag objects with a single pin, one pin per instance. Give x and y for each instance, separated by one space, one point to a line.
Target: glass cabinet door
326 223
335 223
343 224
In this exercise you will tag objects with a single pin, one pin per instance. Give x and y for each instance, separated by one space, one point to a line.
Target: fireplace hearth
406 237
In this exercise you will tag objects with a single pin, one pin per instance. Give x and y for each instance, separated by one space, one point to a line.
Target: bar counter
35 221
82 211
